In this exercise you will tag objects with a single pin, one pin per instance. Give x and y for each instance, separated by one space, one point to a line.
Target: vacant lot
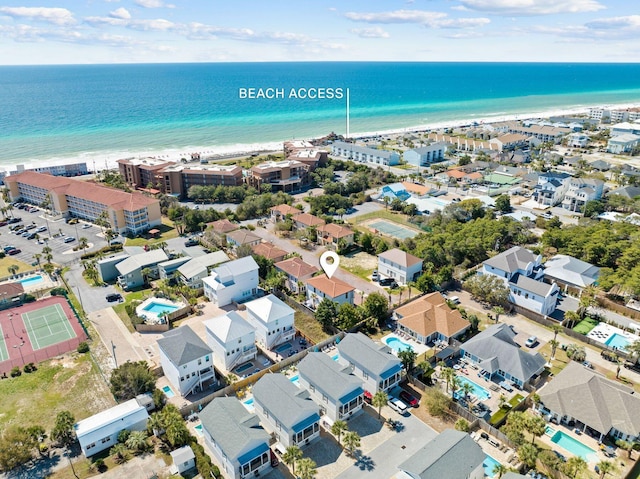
361 264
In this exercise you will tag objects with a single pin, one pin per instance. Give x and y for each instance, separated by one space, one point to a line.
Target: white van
454 299
398 406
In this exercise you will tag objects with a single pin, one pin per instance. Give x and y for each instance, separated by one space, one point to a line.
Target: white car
86 226
531 342
398 406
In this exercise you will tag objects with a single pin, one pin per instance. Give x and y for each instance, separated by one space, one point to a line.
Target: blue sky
134 31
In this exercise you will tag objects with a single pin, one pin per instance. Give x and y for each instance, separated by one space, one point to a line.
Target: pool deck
417 347
46 283
603 331
583 438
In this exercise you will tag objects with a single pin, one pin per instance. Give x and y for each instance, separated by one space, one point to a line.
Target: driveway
116 337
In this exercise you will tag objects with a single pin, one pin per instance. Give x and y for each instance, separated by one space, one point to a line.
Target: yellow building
127 212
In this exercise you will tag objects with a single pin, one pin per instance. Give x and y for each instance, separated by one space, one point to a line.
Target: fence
151 328
618 308
41 355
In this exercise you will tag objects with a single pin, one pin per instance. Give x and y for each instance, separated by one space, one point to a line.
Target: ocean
109 111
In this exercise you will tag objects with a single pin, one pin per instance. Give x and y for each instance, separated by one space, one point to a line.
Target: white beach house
233 281
232 339
272 320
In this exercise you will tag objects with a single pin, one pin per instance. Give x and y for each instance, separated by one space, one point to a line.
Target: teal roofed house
393 191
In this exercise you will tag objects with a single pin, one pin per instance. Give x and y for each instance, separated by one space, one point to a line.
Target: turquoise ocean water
100 110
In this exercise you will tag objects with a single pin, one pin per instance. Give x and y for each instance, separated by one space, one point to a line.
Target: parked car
31 226
3 223
31 236
398 406
86 226
41 229
69 239
375 276
72 221
14 251
454 299
8 248
531 341
14 220
587 364
113 297
409 398
191 242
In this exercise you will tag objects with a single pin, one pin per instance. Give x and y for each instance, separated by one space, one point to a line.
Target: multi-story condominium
615 116
364 154
126 212
374 363
68 170
287 175
461 143
232 339
311 157
551 188
624 128
272 320
399 265
233 281
426 155
339 393
580 191
186 360
178 178
235 438
286 410
544 133
143 172
510 141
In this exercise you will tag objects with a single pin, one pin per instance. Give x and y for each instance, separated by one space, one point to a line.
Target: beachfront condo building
143 172
364 154
426 155
177 179
287 176
306 153
131 213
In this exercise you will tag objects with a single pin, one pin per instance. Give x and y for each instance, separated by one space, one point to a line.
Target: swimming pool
574 446
397 345
249 405
295 380
283 348
478 391
31 280
488 464
244 367
168 391
159 308
335 357
617 341
198 429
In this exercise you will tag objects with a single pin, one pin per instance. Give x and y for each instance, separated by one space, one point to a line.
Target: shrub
83 347
29 298
28 368
437 402
15 372
58 292
100 465
124 435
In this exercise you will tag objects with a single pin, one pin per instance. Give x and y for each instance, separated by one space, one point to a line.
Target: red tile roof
308 219
296 267
269 250
332 287
11 289
334 230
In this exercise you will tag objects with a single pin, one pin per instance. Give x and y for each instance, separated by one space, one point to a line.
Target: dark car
15 220
409 398
14 252
3 223
114 297
387 281
191 242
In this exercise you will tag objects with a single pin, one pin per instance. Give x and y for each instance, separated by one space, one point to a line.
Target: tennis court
392 229
47 326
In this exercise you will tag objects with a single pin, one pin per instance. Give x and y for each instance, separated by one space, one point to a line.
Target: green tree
337 428
351 442
83 243
291 456
63 431
174 427
131 379
576 352
326 312
571 318
379 400
606 467
462 425
536 425
528 453
16 447
13 269
408 358
146 274
348 316
120 453
306 468
554 345
503 203
137 441
499 470
625 445
488 288
574 466
377 306
437 403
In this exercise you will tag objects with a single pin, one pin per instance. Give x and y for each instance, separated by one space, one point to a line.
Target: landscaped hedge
107 249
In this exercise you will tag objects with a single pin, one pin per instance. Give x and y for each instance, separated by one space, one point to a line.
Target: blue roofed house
374 363
394 191
236 439
286 410
339 393
499 356
425 155
233 281
522 272
186 360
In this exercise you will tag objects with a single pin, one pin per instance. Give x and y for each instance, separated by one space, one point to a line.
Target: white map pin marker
329 267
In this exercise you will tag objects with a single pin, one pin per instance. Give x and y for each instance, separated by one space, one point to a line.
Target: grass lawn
73 384
384 215
167 231
309 326
8 261
561 359
406 166
585 326
140 295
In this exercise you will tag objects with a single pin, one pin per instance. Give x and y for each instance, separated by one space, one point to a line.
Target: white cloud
57 16
422 17
376 32
631 22
153 4
605 29
532 7
121 12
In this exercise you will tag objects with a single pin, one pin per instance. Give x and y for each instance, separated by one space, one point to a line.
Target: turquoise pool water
572 445
478 391
168 391
397 345
488 464
283 348
249 405
335 357
295 380
617 341
31 280
159 308
244 367
198 429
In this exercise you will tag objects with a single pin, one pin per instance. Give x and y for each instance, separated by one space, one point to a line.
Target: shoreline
97 161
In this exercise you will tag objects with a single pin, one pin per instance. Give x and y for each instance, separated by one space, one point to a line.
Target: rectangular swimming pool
617 341
159 308
488 464
478 391
574 446
249 405
31 280
168 391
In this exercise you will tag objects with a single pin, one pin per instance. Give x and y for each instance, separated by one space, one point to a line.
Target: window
106 439
181 378
365 375
312 388
199 362
325 398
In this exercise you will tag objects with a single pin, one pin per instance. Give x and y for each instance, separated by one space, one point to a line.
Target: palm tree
499 470
13 269
351 442
498 310
155 424
466 389
606 467
576 352
146 272
536 425
455 384
137 440
575 466
338 428
37 257
307 468
556 328
554 345
119 452
571 317
448 374
83 243
379 399
292 455
410 284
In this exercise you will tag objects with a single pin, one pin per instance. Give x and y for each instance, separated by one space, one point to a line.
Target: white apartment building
364 154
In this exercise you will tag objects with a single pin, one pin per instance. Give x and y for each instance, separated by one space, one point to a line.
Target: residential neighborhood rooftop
400 257
182 345
332 287
429 314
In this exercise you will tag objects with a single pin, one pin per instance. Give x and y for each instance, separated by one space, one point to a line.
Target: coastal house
334 289
272 320
127 213
169 269
11 294
269 251
429 318
451 454
497 355
551 188
582 190
306 220
570 272
242 237
364 154
287 175
218 231
522 272
186 360
623 143
374 363
296 272
234 435
286 411
232 281
399 265
425 155
100 431
280 212
183 459
196 269
334 236
331 385
232 340
585 400
578 140
130 269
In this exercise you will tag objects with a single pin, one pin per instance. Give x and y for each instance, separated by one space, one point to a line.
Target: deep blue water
60 111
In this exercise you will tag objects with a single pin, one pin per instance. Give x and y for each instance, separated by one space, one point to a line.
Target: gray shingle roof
593 399
328 375
200 264
231 426
182 455
512 259
182 345
228 327
530 285
285 402
372 357
268 309
497 349
451 454
571 270
142 260
236 267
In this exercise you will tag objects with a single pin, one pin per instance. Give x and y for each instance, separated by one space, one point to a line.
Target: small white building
399 265
233 281
183 460
364 154
426 155
272 320
232 339
578 140
320 287
186 360
100 431
196 269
